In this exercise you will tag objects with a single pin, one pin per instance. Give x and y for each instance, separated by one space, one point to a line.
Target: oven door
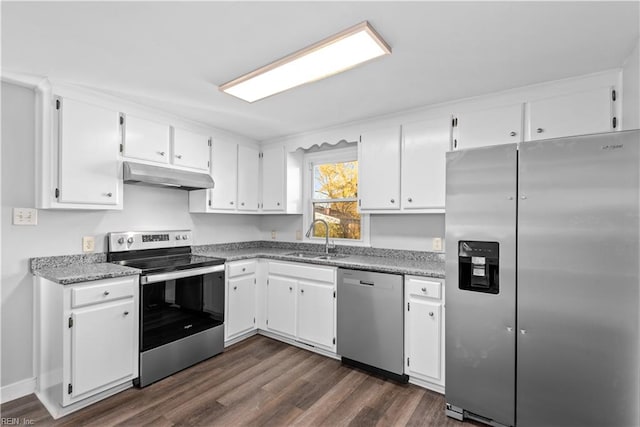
180 303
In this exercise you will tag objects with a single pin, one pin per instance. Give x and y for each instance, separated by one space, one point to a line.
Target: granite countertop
71 269
67 270
426 264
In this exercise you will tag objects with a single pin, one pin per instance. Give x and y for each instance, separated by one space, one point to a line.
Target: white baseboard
14 391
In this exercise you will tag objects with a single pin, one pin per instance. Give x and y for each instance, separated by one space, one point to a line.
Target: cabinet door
316 314
573 114
241 314
190 149
224 169
248 164
146 140
424 145
102 345
281 305
493 126
273 179
424 338
379 169
89 168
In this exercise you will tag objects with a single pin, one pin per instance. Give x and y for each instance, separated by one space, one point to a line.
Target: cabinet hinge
57 193
209 142
121 148
455 143
267 321
453 122
254 281
267 281
209 202
334 294
408 364
613 95
121 119
69 389
57 104
71 322
614 122
208 164
408 306
334 340
359 203
254 320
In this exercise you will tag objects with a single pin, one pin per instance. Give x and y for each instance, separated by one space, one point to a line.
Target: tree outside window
334 199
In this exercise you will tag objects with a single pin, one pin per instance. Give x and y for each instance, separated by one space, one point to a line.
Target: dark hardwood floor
257 382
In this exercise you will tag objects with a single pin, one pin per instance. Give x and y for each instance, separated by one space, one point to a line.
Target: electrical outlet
88 244
273 234
25 216
437 244
298 234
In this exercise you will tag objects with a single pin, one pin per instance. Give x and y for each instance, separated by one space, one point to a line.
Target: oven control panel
136 240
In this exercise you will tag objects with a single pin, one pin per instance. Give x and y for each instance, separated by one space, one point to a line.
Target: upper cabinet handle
109 194
539 130
179 156
162 153
512 133
393 200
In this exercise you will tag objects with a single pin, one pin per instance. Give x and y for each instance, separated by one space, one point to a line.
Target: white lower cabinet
241 299
87 336
316 311
281 305
301 304
424 331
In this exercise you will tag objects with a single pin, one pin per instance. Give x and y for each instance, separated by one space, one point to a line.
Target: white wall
60 232
631 90
399 231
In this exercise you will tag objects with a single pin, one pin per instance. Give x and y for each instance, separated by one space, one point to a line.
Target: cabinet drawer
303 271
102 291
423 287
241 267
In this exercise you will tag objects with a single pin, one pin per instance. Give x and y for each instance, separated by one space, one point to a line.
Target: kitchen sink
315 255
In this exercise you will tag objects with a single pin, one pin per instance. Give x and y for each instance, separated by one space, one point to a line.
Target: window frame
335 155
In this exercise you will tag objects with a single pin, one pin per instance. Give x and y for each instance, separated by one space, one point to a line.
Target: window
333 195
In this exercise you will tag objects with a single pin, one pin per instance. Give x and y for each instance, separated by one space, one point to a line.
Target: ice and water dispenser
478 266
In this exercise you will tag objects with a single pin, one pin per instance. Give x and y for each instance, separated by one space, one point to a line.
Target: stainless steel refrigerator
542 295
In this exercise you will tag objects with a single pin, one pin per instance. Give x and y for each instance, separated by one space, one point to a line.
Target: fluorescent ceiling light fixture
330 56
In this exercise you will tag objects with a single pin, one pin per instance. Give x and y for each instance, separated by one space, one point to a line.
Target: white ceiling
172 55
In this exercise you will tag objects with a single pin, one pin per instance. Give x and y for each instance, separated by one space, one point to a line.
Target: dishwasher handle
348 281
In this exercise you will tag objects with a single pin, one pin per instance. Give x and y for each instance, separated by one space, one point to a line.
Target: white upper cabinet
491 126
89 151
379 169
160 143
190 149
224 169
146 140
273 179
578 113
248 178
424 147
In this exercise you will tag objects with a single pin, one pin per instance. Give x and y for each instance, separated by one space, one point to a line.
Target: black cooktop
162 260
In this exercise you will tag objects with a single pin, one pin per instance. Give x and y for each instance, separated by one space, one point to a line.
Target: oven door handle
154 278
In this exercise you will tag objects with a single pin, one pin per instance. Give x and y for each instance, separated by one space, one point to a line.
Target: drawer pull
290 288
424 289
244 269
126 313
235 288
302 291
106 293
431 314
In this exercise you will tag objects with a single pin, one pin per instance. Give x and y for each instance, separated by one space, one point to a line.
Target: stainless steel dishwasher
370 321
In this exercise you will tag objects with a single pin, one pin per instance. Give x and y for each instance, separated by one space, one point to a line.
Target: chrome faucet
326 226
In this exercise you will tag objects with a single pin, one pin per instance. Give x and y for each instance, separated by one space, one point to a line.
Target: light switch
298 234
436 245
25 216
273 234
88 244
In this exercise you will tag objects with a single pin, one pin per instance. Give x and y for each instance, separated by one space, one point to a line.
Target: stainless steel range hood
139 173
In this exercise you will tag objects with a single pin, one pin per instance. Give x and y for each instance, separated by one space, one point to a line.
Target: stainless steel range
181 300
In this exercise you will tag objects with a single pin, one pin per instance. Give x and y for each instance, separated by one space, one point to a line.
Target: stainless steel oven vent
139 173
